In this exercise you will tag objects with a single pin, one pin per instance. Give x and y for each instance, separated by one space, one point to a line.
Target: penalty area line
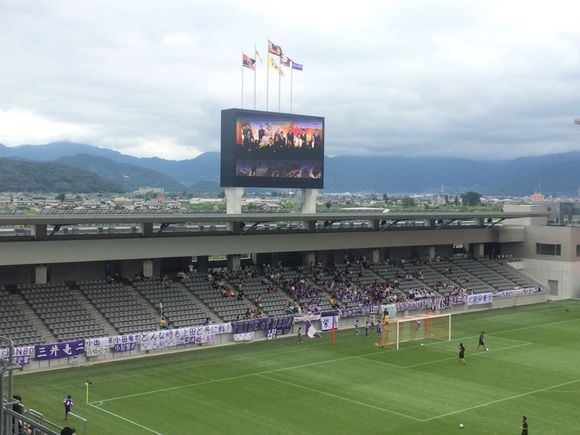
125 419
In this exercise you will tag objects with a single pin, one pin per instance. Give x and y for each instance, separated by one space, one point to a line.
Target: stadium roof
173 218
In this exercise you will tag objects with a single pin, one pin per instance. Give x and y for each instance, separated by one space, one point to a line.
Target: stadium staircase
510 273
123 307
92 310
45 333
179 304
226 309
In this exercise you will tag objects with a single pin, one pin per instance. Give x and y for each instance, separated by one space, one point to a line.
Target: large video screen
265 149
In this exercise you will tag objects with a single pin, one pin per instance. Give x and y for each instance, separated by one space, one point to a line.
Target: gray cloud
446 78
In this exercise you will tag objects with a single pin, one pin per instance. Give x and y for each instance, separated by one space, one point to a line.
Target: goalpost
423 327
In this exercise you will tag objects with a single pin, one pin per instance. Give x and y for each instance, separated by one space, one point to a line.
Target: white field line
211 381
336 396
126 419
493 402
425 363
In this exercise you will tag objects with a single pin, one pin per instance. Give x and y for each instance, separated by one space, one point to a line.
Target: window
548 249
577 250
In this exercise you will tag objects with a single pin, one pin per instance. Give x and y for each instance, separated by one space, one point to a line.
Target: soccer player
299 334
524 425
367 329
356 327
461 354
481 341
68 404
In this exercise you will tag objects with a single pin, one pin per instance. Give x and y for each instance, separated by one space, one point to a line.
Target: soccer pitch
283 387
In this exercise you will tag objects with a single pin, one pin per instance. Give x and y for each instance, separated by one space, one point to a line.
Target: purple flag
311 331
297 66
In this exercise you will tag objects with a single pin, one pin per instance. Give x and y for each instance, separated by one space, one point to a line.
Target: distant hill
129 177
186 172
27 176
556 173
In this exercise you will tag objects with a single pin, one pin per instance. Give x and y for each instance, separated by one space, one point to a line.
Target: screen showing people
279 168
266 149
271 135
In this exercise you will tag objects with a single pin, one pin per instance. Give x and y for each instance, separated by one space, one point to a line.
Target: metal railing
11 421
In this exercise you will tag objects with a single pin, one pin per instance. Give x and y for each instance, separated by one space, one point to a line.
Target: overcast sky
483 79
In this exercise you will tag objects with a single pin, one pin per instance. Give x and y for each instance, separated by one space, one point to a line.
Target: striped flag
257 54
248 62
311 331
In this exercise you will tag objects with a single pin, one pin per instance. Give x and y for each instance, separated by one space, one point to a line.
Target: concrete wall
67 251
565 273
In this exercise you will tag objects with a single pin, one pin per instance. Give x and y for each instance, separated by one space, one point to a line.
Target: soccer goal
424 327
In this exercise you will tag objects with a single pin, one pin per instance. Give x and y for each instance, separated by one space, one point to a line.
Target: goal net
424 327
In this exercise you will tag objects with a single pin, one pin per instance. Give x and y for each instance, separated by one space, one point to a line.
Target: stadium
356 320
275 323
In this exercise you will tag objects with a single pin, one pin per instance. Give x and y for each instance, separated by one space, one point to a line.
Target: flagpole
255 68
242 85
279 86
291 79
268 75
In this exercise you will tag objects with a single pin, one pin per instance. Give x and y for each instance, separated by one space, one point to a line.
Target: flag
274 49
257 54
248 62
311 331
297 66
284 60
88 383
273 64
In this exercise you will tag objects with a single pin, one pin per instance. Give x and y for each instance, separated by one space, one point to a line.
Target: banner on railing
365 310
480 298
391 310
175 337
305 317
517 292
281 324
124 347
59 350
22 355
245 336
101 345
326 322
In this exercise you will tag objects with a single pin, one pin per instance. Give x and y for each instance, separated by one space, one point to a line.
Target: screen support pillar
309 200
234 206
234 199
309 206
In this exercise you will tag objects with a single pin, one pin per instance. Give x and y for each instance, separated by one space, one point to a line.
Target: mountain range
551 173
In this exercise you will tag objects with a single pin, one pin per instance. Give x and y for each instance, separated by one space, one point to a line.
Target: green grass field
282 387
